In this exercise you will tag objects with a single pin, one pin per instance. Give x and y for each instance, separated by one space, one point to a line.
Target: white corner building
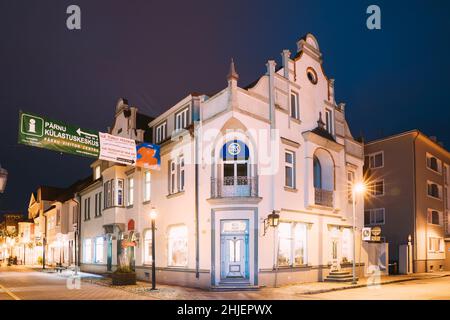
227 162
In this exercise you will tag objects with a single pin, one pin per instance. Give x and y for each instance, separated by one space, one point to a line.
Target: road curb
312 292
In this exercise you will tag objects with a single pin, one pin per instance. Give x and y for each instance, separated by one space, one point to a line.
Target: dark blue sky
155 52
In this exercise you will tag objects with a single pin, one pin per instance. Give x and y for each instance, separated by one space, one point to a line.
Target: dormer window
161 132
181 119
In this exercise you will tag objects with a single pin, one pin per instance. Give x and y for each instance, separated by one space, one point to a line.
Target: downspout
77 200
415 209
196 205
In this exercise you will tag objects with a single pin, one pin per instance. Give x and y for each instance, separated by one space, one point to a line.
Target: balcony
234 187
323 197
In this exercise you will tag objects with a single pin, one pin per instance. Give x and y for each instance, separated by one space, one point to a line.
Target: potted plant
124 274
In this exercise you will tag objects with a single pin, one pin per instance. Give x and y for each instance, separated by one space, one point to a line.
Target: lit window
99 250
58 217
87 208
292 244
375 160
148 247
181 119
294 105
87 250
435 244
178 246
347 245
289 169
119 193
147 186
161 132
97 173
130 191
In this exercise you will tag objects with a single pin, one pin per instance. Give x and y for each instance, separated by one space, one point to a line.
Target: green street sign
54 135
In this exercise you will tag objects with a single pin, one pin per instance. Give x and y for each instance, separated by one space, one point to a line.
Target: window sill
433 197
290 189
146 202
129 207
99 216
298 121
176 194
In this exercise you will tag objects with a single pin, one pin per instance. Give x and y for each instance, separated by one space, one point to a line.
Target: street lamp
358 188
272 220
153 215
3 179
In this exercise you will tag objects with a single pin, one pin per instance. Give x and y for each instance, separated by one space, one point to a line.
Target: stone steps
339 276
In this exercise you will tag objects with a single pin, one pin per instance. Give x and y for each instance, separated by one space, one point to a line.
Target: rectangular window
181 119
87 208
119 192
99 250
87 250
294 105
148 247
98 204
374 160
435 244
108 193
434 163
181 174
172 176
350 183
434 217
130 191
374 217
289 169
147 186
97 173
178 246
434 190
376 188
292 243
329 121
161 132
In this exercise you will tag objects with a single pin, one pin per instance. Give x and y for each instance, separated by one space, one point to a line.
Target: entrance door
234 250
109 255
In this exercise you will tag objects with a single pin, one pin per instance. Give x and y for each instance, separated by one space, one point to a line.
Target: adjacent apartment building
409 196
228 160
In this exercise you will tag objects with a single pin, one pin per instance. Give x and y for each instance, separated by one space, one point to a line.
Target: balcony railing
323 197
234 187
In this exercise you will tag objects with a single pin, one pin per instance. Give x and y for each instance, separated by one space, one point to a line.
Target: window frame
329 124
184 112
161 132
439 163
293 242
170 245
373 218
172 177
147 183
130 191
373 155
296 108
372 188
441 245
430 217
439 188
292 166
181 174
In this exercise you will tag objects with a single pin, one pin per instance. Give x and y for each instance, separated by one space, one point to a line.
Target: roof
142 122
50 193
69 192
323 133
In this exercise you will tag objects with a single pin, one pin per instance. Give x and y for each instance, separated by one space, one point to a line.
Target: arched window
147 247
317 173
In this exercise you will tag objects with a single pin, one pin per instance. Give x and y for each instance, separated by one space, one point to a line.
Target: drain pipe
415 208
270 72
196 206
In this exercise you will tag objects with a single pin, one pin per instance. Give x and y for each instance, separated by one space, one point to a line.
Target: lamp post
358 188
153 216
272 220
3 179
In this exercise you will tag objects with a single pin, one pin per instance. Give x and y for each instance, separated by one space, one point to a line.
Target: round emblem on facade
234 148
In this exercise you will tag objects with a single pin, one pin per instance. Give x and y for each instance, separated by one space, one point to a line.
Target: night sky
156 52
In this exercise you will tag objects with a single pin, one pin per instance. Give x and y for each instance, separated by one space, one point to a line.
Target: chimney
271 72
331 91
285 57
